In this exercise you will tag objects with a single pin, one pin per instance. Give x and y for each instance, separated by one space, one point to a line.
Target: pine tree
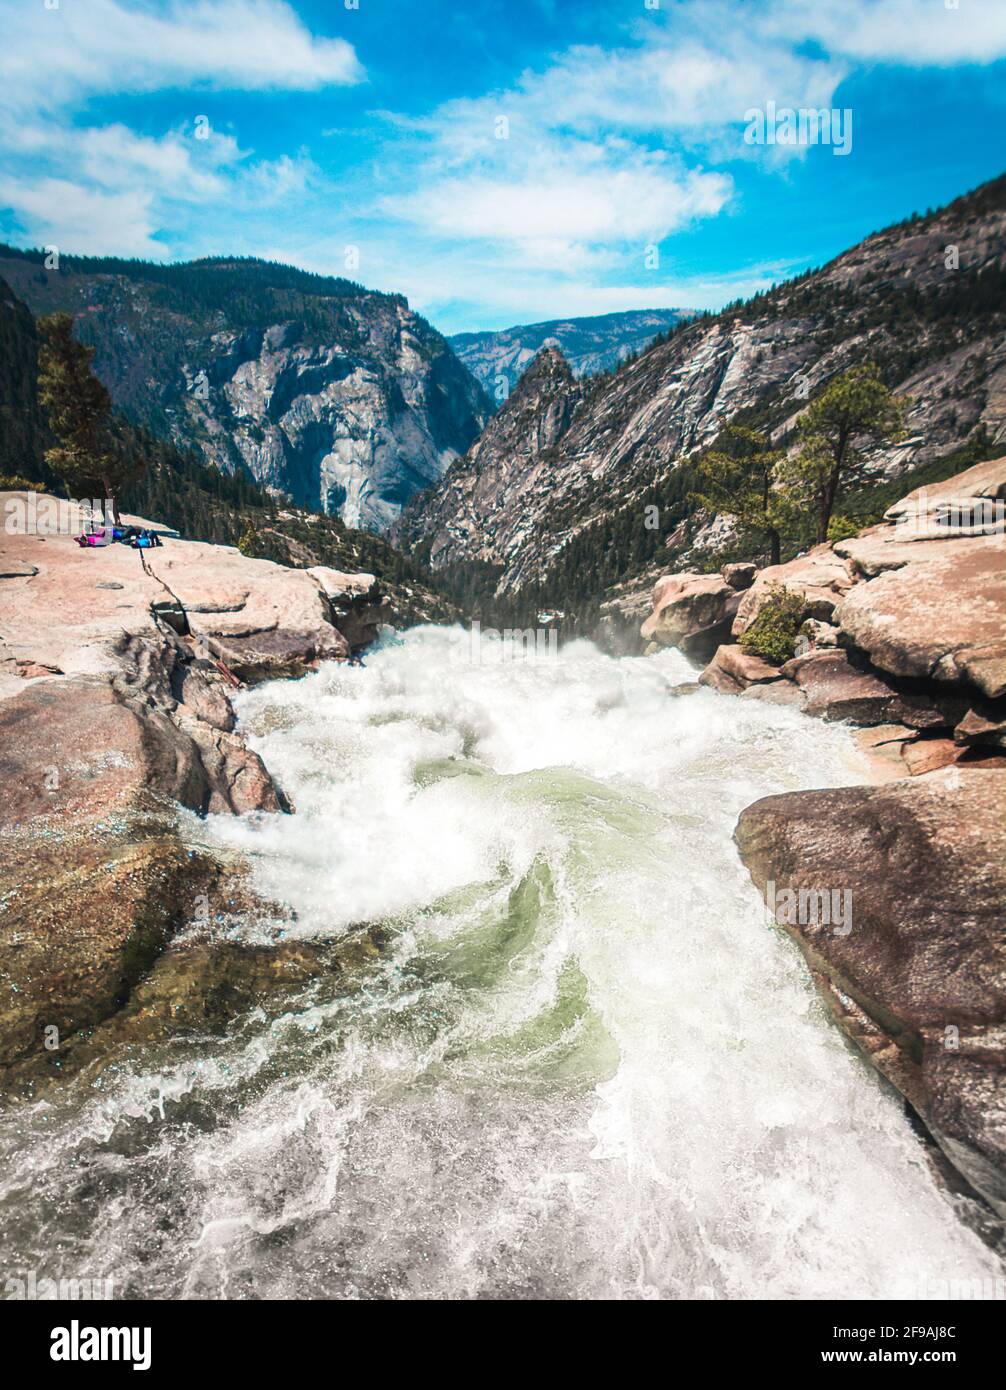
854 410
737 480
78 408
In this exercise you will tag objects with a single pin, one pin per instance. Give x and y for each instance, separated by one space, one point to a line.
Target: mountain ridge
591 344
924 298
339 397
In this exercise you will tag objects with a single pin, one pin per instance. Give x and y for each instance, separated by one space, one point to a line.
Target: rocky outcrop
915 970
836 688
965 503
821 577
202 981
733 670
696 612
115 672
341 398
904 635
940 615
740 575
903 630
471 515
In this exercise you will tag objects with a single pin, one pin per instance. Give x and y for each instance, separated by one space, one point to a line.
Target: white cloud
909 32
609 197
85 221
603 146
109 181
701 75
114 157
52 57
609 149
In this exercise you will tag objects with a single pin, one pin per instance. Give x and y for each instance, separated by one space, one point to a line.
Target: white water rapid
582 1064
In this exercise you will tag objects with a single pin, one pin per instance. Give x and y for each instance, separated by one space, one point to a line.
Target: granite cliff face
926 300
476 513
341 398
590 345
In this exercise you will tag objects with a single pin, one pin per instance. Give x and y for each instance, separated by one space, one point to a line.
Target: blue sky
498 161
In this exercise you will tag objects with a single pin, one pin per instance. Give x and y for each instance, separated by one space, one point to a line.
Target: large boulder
941 617
984 723
358 607
115 668
693 612
740 575
67 607
836 689
918 867
732 670
931 601
262 619
89 908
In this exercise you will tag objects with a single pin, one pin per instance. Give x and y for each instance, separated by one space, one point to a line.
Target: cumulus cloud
114 188
52 57
913 33
600 197
609 147
88 221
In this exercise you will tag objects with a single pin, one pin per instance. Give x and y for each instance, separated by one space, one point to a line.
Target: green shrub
773 633
840 528
248 542
15 483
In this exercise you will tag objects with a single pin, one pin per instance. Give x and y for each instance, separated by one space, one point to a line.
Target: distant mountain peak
593 344
548 363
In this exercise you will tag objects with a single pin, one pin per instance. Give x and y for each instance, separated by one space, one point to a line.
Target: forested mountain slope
201 502
341 398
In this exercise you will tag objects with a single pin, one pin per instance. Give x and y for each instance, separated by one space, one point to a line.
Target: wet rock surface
904 635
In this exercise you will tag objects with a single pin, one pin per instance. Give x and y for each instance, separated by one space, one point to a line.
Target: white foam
584 1067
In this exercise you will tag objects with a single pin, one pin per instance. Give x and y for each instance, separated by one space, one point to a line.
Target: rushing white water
582 1066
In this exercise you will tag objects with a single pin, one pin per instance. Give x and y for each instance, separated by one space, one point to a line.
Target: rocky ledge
116 669
903 635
